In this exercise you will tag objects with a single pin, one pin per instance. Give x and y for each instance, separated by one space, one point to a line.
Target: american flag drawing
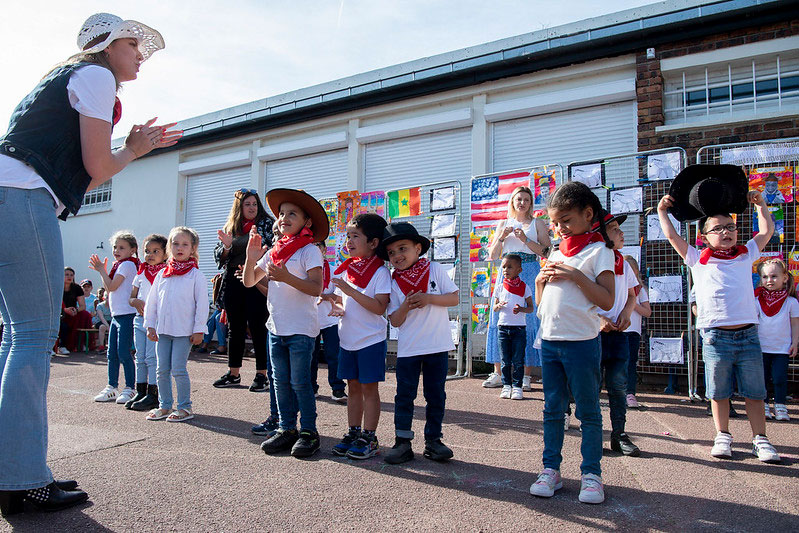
490 196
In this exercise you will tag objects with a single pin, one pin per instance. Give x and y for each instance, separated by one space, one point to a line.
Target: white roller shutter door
321 175
208 200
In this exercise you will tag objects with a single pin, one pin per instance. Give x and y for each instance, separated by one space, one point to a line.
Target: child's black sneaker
266 427
259 384
436 450
307 444
363 448
344 446
227 381
340 396
622 444
401 452
281 441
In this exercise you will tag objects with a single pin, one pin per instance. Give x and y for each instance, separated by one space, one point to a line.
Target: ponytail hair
603 229
791 286
577 195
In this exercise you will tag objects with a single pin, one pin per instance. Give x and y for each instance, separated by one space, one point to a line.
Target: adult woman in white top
527 236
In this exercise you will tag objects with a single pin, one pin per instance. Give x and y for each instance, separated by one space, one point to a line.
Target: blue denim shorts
367 365
733 352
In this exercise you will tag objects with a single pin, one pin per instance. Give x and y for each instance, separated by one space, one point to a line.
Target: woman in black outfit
244 307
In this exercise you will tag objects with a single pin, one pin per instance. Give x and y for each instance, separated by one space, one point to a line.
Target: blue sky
220 54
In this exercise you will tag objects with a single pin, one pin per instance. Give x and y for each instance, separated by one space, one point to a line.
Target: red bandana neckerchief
573 245
415 278
732 253
770 301
514 286
360 271
117 114
325 274
116 265
288 244
179 268
150 271
246 226
618 265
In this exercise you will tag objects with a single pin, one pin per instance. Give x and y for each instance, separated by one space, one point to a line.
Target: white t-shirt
565 312
144 286
513 244
324 307
723 288
92 91
178 305
425 330
506 316
359 328
775 331
636 319
119 300
624 283
292 312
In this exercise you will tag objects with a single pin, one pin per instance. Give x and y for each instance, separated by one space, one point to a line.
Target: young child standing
119 282
575 283
421 291
778 329
294 269
364 284
633 333
328 332
511 301
726 314
146 387
175 316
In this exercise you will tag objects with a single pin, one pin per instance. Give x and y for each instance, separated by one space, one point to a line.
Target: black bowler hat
708 190
397 231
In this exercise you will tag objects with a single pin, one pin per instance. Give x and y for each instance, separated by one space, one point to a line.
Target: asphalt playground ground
209 474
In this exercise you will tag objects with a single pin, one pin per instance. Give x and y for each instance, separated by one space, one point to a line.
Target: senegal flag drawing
404 203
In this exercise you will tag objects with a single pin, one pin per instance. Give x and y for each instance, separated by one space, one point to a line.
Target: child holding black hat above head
421 291
294 269
726 314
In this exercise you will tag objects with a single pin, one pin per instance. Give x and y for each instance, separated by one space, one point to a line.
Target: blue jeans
329 336
733 353
145 353
215 325
31 287
512 341
615 356
572 366
273 412
291 365
120 342
173 354
775 370
634 346
434 367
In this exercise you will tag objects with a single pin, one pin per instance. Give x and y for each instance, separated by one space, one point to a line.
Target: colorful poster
349 204
481 282
404 203
543 185
480 319
341 248
490 196
776 183
793 265
479 240
778 216
374 202
330 205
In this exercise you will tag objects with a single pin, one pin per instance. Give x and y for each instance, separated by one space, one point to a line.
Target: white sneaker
517 394
526 386
547 483
769 416
781 412
505 394
126 395
63 351
722 446
591 489
493 381
632 402
764 451
566 421
108 394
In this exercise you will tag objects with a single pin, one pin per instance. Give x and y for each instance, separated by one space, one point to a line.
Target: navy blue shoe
346 443
268 426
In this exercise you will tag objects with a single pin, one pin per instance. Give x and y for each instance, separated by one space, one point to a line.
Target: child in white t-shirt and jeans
512 300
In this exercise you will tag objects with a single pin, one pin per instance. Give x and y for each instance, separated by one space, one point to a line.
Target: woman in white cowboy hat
58 146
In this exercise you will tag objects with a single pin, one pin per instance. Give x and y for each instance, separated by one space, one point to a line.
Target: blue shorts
733 352
367 365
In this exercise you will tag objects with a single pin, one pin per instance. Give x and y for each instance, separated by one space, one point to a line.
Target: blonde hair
195 240
96 58
517 190
128 237
781 264
636 270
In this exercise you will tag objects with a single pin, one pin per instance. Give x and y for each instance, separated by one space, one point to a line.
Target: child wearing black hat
421 291
726 314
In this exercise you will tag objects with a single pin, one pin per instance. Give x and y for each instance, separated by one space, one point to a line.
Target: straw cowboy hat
319 222
101 29
708 190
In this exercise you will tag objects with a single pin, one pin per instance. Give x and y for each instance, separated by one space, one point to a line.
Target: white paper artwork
591 174
665 350
455 331
634 251
653 230
450 270
443 198
663 166
443 225
444 248
626 200
663 289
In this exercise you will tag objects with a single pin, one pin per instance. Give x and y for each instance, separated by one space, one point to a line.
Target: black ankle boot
141 392
49 498
149 401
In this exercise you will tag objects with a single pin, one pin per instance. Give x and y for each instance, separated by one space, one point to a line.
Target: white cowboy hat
101 29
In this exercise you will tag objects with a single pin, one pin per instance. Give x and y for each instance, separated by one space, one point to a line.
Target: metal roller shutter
321 175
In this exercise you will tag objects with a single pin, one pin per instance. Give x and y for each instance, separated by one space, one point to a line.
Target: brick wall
649 89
